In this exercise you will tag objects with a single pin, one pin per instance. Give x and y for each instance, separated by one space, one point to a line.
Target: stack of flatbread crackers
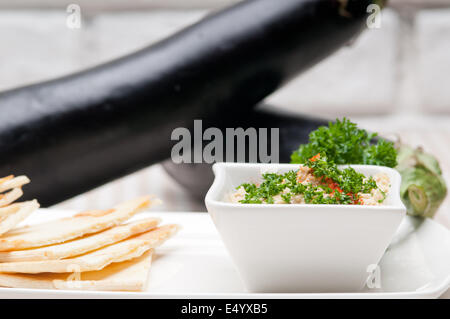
93 250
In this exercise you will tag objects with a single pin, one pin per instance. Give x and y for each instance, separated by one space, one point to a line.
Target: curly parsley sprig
345 143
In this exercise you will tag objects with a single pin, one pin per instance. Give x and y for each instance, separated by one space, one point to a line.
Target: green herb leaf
344 143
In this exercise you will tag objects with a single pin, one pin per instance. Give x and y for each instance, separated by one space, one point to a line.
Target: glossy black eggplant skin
75 133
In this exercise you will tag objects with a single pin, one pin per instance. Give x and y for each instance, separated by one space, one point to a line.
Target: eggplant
75 133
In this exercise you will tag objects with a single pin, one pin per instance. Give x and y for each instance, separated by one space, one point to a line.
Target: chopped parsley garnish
333 185
344 143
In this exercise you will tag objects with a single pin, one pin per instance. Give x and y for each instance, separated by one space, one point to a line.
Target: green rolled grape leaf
423 188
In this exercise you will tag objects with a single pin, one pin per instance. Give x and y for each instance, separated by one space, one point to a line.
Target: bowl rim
220 169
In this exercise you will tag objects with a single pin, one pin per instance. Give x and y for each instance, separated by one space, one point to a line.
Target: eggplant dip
318 181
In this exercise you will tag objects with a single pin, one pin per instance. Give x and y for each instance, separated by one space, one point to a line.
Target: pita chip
62 230
10 197
129 275
17 213
10 182
128 249
81 245
8 210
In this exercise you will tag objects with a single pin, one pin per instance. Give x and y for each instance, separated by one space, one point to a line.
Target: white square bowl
302 247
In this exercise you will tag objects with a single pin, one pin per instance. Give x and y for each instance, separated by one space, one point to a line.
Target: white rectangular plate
195 264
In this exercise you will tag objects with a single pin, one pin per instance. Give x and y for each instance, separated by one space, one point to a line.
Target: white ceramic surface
302 248
195 264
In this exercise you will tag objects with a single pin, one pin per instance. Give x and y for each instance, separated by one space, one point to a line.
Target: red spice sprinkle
315 157
333 185
356 199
